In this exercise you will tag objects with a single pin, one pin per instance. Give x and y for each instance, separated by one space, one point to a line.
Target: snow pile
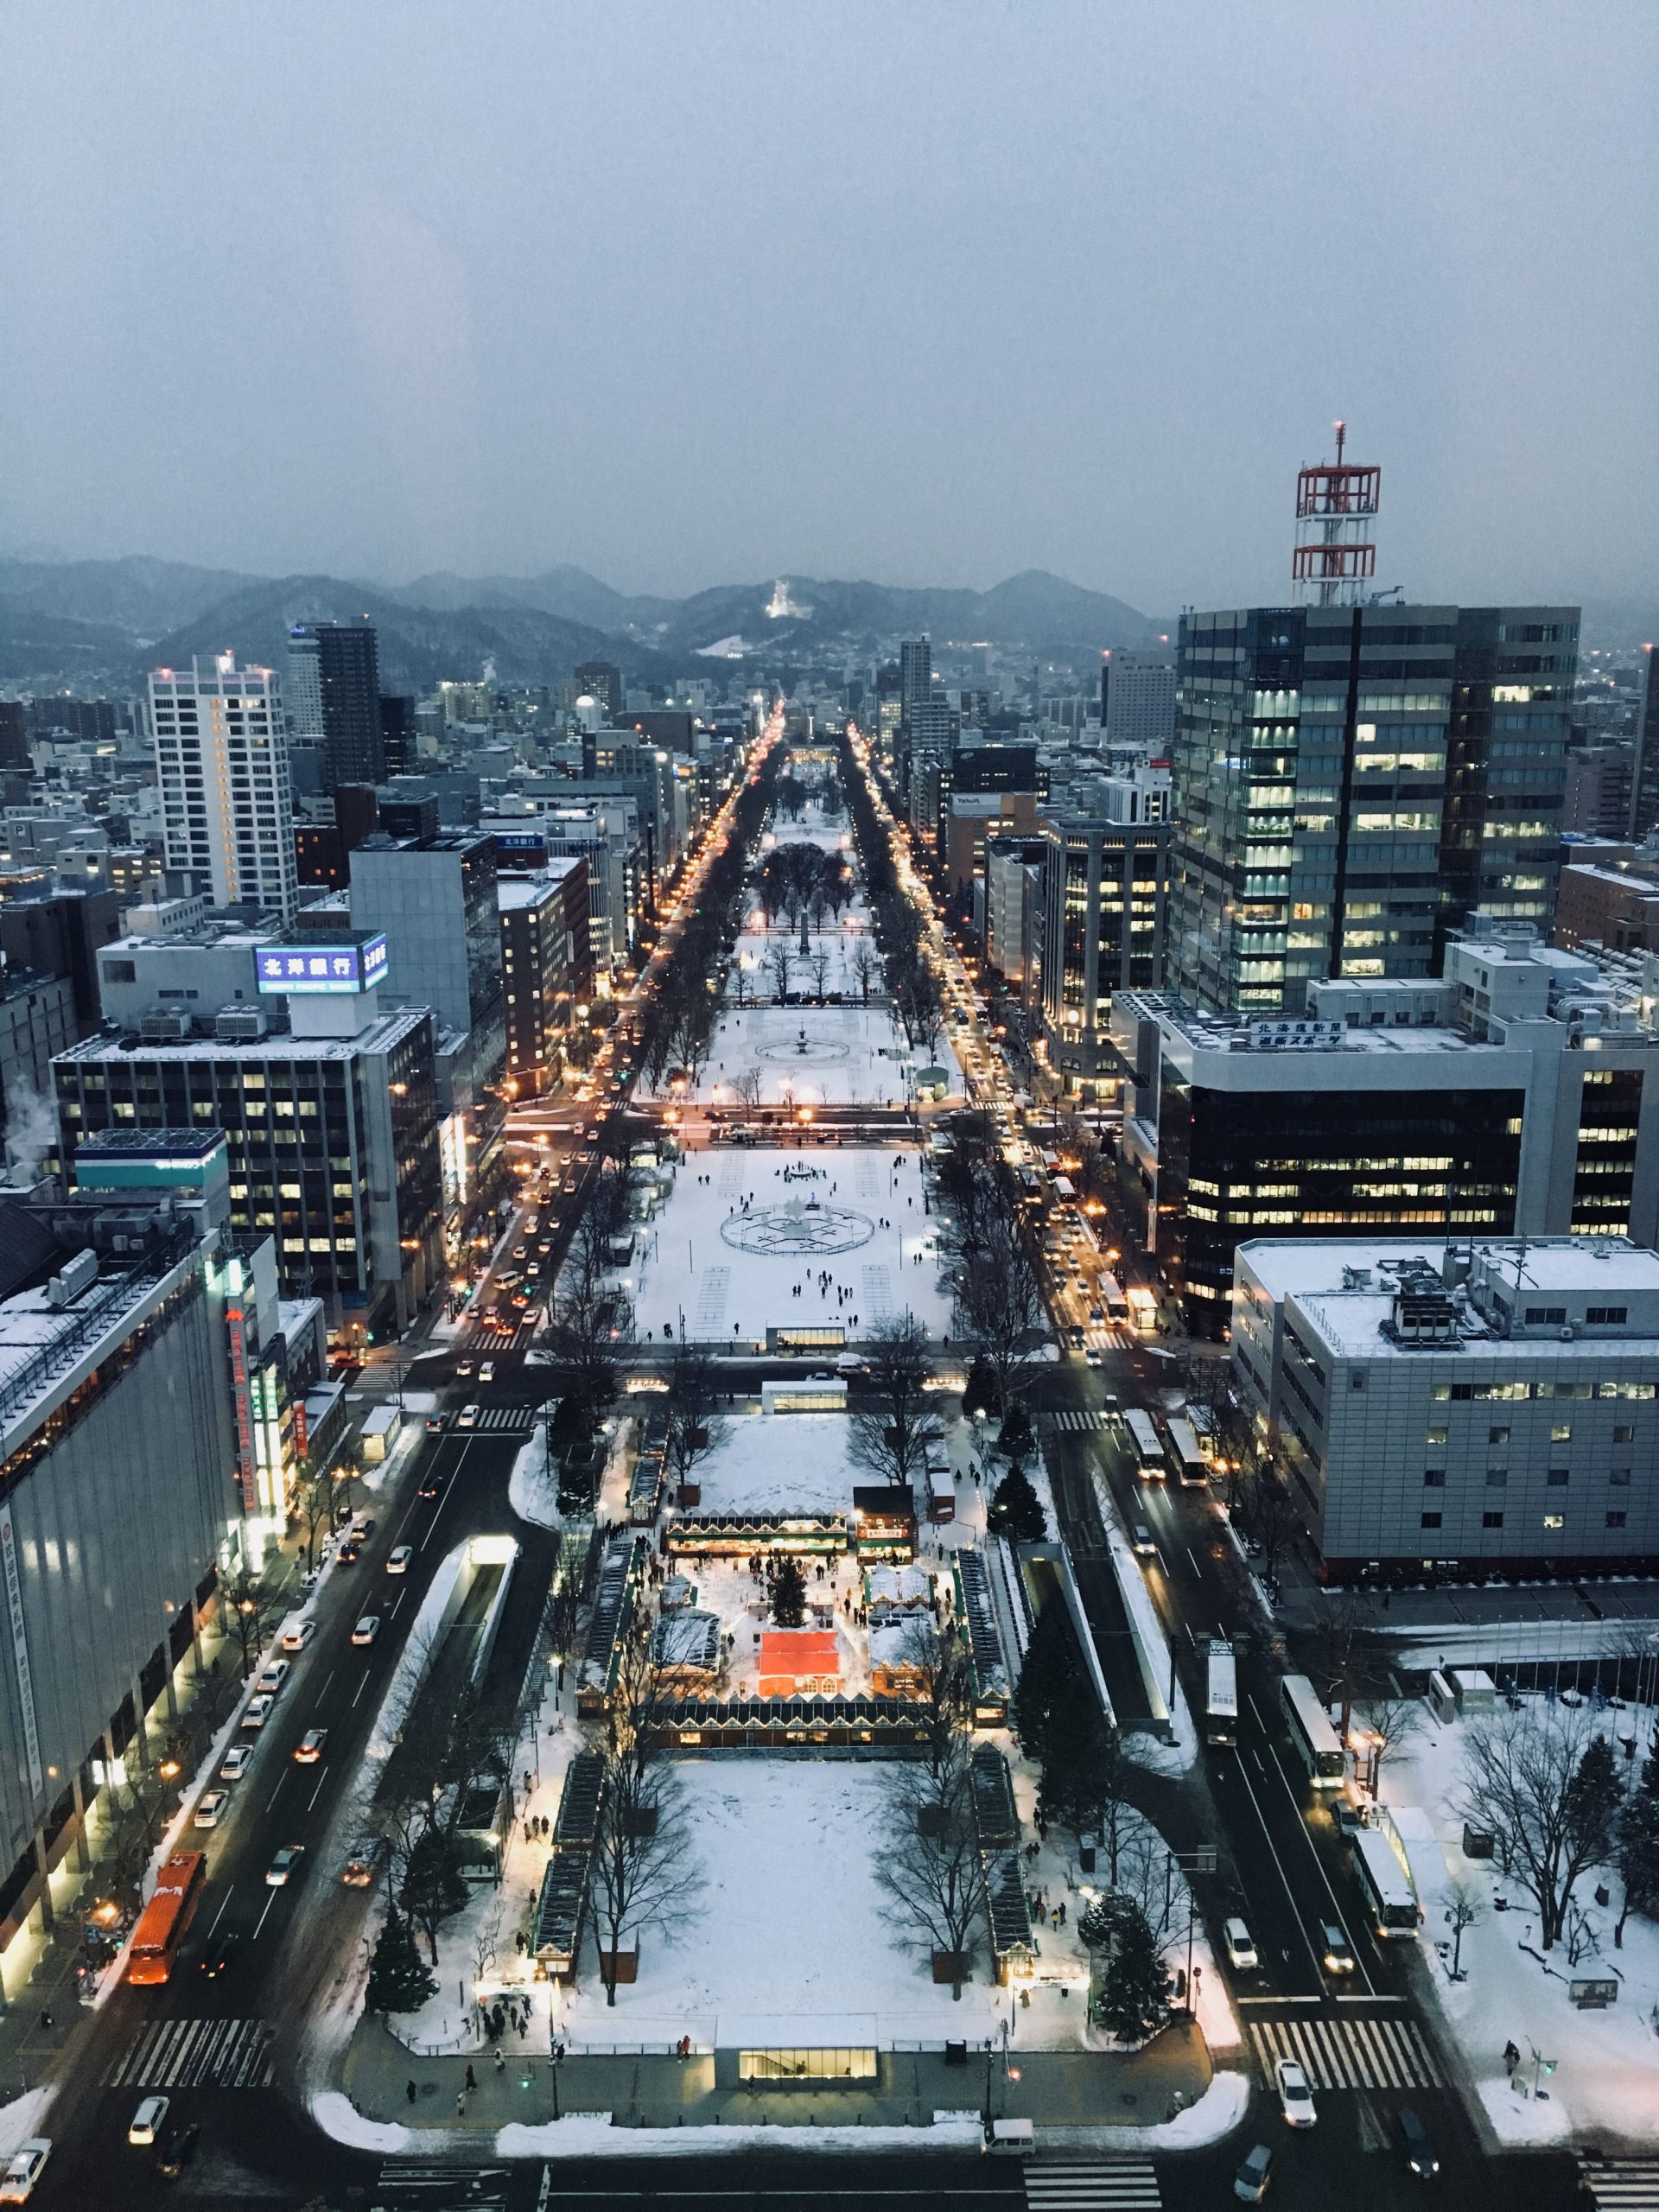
533 1485
336 2116
25 2116
591 2134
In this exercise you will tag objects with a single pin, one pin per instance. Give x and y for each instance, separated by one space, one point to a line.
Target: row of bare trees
998 1299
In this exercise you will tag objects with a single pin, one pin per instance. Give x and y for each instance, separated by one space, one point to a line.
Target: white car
1240 1951
297 1635
258 1711
210 1811
1295 2098
23 2168
487 1373
367 1629
147 2122
398 1558
468 1417
234 1764
285 1866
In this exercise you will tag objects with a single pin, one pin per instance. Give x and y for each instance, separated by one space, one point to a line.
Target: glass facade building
1350 783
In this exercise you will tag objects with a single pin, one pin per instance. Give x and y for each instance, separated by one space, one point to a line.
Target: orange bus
162 1923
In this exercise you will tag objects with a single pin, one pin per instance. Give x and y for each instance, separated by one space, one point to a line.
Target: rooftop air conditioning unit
242 1024
164 1026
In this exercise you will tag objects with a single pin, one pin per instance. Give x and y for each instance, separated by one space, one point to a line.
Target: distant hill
144 597
418 645
112 621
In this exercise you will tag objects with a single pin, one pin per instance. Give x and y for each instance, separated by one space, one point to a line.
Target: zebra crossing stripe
1349 2054
187 2054
1623 2184
1093 2185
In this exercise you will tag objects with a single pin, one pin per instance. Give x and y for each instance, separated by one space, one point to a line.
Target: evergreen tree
789 1595
398 1982
1049 1680
1082 1783
1134 1999
1016 1510
1596 1797
1017 1437
1636 1848
981 1390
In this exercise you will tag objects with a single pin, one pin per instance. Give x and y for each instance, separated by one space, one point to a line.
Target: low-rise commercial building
1456 1408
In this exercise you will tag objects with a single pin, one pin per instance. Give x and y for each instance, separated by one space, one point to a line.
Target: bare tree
928 1864
867 968
749 1084
741 989
1268 1511
693 1394
645 1873
1393 1723
314 1506
888 1427
817 966
1533 1779
248 1605
1464 1910
999 1306
780 961
1349 1658
936 1656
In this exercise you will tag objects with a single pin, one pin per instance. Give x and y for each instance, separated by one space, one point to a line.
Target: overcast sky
690 293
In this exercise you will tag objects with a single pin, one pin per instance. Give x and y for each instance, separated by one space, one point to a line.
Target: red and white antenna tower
1336 504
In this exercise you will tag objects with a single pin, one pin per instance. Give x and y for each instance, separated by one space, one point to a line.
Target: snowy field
1606 2080
696 1267
811 1056
790 1922
779 1463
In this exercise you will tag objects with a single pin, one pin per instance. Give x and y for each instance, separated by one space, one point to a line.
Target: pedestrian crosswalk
505 1419
193 2054
1621 2184
1353 2053
1092 2185
1075 1420
439 2181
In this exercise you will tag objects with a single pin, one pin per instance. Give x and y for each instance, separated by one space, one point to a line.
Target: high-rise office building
335 669
915 676
1351 782
397 733
1644 779
1137 699
602 680
221 759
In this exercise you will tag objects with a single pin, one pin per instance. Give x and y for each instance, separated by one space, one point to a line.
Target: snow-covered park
812 1056
789 1923
765 1238
1605 2077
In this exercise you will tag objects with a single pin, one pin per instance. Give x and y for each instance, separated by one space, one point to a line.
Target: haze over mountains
86 620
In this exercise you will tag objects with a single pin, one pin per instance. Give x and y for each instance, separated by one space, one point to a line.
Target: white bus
1221 1694
1390 1897
1143 1436
1181 1449
1312 1732
1112 1299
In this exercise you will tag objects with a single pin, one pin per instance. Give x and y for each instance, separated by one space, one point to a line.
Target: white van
272 1675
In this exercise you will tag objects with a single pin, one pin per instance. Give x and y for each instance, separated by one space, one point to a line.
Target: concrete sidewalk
1053 2088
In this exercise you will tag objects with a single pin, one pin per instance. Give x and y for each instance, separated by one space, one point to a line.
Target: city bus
163 1923
1390 1896
1312 1732
1181 1449
1112 1299
1143 1437
1221 1694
